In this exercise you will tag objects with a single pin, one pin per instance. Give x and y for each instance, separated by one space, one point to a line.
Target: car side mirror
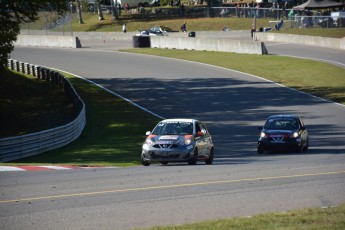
303 128
148 133
260 128
200 134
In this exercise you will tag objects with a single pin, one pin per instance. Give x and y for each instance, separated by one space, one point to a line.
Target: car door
200 140
207 140
204 142
304 132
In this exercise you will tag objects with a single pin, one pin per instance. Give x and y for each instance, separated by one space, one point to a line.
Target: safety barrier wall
243 35
47 41
209 44
334 43
13 148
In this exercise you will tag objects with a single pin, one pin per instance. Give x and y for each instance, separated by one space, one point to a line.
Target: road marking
10 168
165 187
34 168
45 168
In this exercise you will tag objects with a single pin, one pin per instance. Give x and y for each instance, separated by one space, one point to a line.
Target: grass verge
92 24
30 105
113 134
307 219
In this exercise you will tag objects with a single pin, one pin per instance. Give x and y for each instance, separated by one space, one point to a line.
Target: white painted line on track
47 168
315 59
57 167
10 168
113 93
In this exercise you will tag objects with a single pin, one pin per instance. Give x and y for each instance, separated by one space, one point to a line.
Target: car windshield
281 123
173 128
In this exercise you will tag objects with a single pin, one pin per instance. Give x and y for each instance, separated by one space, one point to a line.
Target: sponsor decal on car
165 142
168 137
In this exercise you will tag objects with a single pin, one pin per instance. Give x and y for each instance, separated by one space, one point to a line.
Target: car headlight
188 142
295 135
262 135
149 141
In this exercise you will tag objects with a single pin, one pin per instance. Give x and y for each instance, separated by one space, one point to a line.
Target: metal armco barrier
13 148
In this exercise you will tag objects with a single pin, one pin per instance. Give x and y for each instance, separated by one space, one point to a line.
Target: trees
15 12
80 17
99 9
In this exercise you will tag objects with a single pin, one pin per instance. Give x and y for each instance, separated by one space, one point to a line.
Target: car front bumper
167 155
290 144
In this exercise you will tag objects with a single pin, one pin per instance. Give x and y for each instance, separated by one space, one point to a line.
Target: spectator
257 11
124 28
224 13
279 25
238 10
253 29
126 6
285 6
184 27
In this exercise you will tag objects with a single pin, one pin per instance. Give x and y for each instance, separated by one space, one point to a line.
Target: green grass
113 135
29 105
303 219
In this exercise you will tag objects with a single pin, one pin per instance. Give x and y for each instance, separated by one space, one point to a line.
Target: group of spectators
250 10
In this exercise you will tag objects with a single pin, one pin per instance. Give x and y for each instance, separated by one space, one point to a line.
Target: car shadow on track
231 108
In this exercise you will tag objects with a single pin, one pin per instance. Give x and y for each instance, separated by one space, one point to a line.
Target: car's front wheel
144 161
194 158
299 148
260 150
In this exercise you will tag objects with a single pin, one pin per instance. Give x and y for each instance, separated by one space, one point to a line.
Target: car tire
260 150
194 158
299 149
307 146
209 161
144 162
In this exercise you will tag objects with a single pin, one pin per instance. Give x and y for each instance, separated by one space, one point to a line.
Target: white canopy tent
318 4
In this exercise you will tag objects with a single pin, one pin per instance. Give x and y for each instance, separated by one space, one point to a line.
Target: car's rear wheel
209 161
307 146
194 158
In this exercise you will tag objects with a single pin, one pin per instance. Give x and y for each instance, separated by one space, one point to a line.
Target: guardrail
13 148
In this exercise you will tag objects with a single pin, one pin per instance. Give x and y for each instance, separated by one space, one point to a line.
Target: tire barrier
13 148
141 41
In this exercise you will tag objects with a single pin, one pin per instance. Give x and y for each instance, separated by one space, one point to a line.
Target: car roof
284 115
179 120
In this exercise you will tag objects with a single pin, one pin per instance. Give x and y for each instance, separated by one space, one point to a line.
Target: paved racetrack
240 183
